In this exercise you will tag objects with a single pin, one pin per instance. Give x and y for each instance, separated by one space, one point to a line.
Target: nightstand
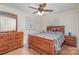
70 40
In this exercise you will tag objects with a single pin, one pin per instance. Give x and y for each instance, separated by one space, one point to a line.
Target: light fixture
40 13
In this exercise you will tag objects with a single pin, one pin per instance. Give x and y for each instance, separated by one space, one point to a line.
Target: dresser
10 41
70 40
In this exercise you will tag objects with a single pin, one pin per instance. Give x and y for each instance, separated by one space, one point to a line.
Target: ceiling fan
41 9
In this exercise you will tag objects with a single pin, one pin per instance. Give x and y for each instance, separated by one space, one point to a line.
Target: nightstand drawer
70 40
70 37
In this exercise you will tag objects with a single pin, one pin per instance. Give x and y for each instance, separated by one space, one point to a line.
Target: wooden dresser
70 40
10 41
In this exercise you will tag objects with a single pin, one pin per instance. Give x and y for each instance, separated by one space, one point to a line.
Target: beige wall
69 19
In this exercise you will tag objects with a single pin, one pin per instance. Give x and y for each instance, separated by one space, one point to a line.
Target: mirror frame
10 15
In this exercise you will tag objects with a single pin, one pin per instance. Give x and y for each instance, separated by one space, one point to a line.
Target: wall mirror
8 22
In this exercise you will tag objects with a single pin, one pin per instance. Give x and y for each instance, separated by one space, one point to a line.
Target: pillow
58 29
55 29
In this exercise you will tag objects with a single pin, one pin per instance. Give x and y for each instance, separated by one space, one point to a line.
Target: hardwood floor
22 51
66 50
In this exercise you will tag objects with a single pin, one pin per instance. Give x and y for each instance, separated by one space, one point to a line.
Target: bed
49 42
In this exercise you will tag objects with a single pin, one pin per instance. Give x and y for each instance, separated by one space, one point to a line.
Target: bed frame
42 45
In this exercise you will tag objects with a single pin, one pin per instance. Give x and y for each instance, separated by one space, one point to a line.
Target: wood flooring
66 50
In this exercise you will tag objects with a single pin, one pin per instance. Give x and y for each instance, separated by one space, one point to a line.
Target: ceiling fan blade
32 7
48 10
35 12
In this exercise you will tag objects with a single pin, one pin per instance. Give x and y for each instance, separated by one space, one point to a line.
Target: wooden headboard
55 28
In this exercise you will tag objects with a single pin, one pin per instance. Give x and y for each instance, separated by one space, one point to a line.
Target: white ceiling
57 7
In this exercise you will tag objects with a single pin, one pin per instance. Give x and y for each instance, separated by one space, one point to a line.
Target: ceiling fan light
40 13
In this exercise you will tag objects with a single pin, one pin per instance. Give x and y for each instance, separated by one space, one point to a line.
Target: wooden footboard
41 45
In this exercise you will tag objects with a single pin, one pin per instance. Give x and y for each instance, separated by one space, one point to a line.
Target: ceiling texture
57 7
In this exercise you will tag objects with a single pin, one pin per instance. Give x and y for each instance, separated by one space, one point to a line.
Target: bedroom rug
69 50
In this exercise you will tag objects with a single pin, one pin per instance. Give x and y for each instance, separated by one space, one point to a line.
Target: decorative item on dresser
70 40
10 41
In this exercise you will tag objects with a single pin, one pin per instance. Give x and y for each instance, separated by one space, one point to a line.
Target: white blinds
7 24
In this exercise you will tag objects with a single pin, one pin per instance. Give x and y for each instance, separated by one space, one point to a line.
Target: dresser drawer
3 49
15 45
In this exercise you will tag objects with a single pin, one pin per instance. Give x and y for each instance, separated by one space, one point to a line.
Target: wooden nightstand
70 40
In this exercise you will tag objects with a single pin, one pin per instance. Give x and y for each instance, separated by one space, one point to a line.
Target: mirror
7 24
